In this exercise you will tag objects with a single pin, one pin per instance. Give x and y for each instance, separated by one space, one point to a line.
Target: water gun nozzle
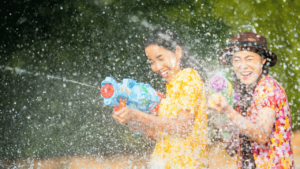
107 91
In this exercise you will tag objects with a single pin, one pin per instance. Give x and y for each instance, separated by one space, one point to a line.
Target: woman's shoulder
190 75
187 78
269 82
269 85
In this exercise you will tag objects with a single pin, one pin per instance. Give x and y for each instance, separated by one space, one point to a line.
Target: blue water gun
130 93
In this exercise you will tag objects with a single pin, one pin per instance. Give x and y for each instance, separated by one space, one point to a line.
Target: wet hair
266 66
169 40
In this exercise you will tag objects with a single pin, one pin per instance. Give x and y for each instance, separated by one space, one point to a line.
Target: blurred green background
87 40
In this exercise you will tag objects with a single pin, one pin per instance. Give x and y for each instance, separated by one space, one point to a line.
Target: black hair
169 40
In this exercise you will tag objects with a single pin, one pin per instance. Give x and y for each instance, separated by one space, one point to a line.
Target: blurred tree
42 114
278 21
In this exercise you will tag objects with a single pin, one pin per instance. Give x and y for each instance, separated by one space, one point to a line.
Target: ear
179 52
264 60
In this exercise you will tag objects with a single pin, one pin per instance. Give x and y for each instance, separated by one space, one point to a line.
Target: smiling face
247 66
164 62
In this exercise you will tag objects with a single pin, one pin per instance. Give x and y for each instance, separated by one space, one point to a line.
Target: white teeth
164 73
245 74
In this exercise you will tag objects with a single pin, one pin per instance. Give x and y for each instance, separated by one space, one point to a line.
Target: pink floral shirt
277 153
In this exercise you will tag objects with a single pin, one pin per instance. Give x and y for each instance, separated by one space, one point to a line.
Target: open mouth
246 75
165 74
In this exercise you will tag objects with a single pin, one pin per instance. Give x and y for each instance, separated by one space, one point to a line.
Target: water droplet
39 98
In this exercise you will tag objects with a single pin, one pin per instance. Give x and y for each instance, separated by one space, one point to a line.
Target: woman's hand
124 115
136 127
218 103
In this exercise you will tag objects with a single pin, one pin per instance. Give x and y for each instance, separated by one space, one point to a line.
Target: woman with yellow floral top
180 127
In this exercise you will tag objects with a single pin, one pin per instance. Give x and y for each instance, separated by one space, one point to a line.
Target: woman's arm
180 125
149 133
259 132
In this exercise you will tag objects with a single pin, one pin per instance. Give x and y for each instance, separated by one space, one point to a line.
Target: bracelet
138 133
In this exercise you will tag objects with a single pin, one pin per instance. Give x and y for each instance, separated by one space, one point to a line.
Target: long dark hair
244 104
168 39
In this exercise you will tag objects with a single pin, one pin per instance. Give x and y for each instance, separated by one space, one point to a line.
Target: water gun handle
122 104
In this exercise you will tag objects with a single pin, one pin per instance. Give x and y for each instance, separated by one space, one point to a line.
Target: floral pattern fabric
277 153
184 92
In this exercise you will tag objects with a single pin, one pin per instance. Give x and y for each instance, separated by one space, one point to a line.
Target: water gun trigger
122 104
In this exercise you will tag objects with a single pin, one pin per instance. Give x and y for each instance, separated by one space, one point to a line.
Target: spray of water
23 71
249 26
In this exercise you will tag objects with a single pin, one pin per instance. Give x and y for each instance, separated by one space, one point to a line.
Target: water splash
249 26
23 71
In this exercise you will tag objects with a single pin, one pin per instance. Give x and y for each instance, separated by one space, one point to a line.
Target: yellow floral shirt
184 92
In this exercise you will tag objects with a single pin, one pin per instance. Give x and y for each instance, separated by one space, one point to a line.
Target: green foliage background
88 40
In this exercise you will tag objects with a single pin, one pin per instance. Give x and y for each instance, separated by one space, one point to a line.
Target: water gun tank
136 95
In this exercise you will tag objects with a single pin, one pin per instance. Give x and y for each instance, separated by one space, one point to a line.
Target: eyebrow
158 56
249 56
236 56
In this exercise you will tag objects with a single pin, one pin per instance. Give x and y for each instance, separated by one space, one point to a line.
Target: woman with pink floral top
262 119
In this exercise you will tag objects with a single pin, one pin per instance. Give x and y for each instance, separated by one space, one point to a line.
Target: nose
243 65
159 66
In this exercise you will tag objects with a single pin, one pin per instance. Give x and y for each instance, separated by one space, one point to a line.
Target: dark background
87 40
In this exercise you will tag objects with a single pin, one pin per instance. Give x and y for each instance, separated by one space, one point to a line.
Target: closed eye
150 61
160 57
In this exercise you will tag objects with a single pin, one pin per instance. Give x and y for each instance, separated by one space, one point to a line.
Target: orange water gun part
155 110
122 104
